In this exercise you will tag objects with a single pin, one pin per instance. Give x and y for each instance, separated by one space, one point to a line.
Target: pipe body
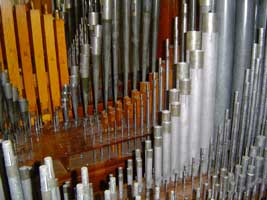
210 46
244 29
226 10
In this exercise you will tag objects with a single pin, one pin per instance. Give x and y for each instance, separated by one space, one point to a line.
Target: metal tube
135 17
175 135
244 29
185 147
167 71
146 15
96 52
148 173
74 82
106 56
25 177
183 30
158 156
193 42
209 45
85 182
44 182
160 102
139 172
176 41
196 73
115 46
120 178
126 5
155 28
166 147
225 10
192 19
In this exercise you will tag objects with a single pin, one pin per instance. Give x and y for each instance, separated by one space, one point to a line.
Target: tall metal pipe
115 46
243 42
175 108
155 28
225 10
196 75
192 18
209 45
183 31
158 155
126 6
96 53
185 147
135 17
106 56
146 15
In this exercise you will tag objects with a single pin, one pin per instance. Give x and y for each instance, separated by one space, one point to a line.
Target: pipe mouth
148 144
85 49
175 108
23 105
196 59
193 40
165 116
182 70
8 90
209 22
157 131
107 11
75 70
166 127
157 141
185 86
15 94
93 18
24 172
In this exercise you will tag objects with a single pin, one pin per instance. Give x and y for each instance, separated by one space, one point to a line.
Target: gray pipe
135 17
126 5
146 15
225 10
25 177
115 46
209 45
106 56
243 42
155 28
192 19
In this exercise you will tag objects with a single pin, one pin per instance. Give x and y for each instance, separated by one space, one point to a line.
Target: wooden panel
51 59
1 56
25 56
61 51
10 44
36 31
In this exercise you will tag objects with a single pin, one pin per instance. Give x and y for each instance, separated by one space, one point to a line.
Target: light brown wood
10 45
1 56
51 59
61 51
43 90
25 56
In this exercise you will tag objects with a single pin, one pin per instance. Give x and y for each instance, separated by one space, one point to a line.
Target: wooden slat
37 41
25 56
61 51
10 44
1 56
51 58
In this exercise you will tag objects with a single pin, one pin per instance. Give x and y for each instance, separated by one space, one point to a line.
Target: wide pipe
225 10
244 29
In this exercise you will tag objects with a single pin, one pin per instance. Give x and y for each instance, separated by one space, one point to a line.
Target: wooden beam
10 45
25 56
61 51
51 58
38 51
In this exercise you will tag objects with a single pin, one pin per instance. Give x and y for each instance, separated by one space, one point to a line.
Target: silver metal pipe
158 156
183 30
139 172
106 56
155 28
148 173
154 99
193 42
175 135
225 10
96 53
160 101
166 148
44 182
135 17
182 72
196 75
210 46
74 83
115 46
126 6
146 15
25 177
176 41
244 29
192 19
185 146
167 71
